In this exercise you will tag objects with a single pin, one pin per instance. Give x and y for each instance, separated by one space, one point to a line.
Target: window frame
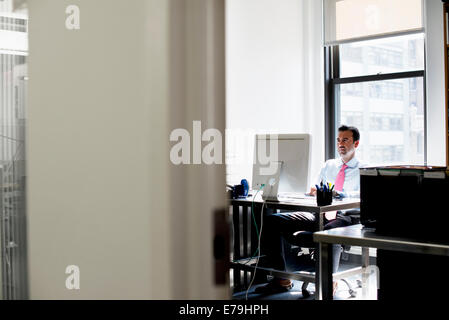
332 81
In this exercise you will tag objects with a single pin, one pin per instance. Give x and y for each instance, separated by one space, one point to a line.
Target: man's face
345 143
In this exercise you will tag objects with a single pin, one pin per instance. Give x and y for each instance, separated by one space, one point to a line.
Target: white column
436 104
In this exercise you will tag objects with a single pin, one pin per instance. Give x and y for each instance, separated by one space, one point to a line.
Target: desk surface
357 235
308 204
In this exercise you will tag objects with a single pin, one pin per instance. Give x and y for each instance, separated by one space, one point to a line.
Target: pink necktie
340 178
339 181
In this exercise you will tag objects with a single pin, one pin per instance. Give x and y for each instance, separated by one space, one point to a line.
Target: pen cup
323 198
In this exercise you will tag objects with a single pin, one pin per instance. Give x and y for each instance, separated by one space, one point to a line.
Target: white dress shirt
351 186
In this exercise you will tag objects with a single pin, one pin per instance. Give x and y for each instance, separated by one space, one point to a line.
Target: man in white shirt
343 172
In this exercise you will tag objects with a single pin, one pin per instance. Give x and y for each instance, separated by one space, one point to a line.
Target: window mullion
380 77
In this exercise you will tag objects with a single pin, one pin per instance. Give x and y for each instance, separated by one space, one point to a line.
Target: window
355 19
386 122
387 90
378 86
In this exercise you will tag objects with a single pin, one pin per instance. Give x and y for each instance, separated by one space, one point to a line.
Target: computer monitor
294 152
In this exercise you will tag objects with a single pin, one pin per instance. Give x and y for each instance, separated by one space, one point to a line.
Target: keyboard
294 195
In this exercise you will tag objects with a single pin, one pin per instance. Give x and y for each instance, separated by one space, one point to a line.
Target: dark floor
343 292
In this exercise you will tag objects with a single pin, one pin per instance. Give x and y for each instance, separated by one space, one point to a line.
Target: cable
258 249
255 223
252 209
252 213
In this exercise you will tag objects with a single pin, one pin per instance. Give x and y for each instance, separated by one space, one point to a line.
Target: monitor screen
293 150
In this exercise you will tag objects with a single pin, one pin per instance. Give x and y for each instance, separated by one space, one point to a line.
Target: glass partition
13 88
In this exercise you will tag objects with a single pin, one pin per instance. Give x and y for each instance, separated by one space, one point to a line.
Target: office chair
304 239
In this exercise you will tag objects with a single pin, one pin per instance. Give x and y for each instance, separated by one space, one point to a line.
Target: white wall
436 105
102 102
274 73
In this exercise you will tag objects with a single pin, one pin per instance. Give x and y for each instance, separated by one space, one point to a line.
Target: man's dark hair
354 130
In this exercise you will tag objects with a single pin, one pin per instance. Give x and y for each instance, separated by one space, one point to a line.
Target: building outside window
378 87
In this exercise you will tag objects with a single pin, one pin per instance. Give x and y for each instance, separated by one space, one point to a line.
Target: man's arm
348 194
312 191
353 194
